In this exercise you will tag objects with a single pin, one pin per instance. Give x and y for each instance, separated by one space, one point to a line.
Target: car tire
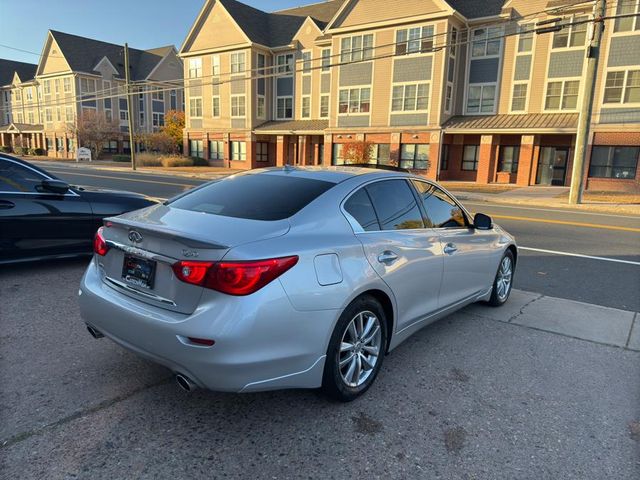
350 371
503 282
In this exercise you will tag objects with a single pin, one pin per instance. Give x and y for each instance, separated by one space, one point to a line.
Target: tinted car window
395 205
360 208
16 178
254 196
441 210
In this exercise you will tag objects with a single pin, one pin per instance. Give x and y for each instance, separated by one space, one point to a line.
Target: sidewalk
555 197
585 321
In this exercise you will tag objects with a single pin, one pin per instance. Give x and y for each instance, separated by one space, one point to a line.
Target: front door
552 166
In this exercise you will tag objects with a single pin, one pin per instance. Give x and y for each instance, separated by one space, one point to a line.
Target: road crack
512 318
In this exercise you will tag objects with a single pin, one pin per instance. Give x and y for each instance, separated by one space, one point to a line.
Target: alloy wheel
360 348
503 282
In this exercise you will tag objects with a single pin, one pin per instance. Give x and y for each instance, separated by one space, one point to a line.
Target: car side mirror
482 221
54 186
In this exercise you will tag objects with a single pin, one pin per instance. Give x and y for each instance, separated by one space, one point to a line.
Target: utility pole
127 80
584 119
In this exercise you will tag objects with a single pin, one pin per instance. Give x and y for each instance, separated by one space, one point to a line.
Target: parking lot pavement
474 396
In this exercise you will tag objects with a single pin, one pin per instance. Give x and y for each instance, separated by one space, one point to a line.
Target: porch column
434 157
394 149
205 146
525 161
251 151
280 151
316 160
328 150
487 158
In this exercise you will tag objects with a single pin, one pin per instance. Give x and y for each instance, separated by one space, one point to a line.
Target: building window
237 106
195 67
284 107
196 148
337 157
216 150
158 119
195 107
410 97
87 85
47 87
31 118
326 59
306 62
158 96
453 45
354 100
237 62
622 86
525 38
68 114
356 48
562 95
380 154
108 116
262 152
56 85
519 97
481 98
48 115
324 106
448 97
486 42
238 151
444 161
627 24
414 40
508 158
571 35
414 156
29 94
614 162
215 65
173 96
261 110
66 84
284 63
470 157
306 107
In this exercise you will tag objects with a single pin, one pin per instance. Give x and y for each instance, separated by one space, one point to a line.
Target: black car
42 216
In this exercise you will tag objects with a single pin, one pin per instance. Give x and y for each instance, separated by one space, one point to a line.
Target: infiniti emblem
135 237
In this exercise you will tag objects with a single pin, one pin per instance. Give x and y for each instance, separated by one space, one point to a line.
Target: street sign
83 153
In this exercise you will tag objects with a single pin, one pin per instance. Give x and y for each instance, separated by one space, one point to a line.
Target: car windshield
254 197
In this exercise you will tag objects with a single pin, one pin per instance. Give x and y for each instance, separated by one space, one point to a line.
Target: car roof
333 174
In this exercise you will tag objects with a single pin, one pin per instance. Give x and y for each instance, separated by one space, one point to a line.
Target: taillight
233 278
99 244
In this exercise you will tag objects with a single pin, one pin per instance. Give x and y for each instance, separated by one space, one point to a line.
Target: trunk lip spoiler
175 235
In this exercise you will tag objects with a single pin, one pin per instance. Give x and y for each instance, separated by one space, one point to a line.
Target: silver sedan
291 277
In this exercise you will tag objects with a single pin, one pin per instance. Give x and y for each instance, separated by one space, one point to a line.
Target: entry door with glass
552 166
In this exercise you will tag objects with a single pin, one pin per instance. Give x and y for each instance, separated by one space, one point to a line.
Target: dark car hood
105 191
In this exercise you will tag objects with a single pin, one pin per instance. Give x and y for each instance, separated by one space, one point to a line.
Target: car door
470 255
405 254
37 223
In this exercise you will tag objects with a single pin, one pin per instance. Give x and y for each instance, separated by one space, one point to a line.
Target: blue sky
144 24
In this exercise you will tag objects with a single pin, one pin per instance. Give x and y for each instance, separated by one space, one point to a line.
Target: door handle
387 257
450 248
6 205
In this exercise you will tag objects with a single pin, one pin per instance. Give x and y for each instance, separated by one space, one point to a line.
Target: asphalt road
469 397
599 281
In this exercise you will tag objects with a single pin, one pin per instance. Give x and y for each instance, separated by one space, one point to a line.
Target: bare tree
92 130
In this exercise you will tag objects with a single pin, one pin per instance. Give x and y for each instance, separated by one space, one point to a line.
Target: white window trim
302 98
514 82
328 70
451 102
292 107
66 81
359 87
232 97
413 54
201 107
563 80
264 111
630 32
215 62
486 40
526 98
213 115
310 52
373 47
277 66
568 48
328 106
403 84
496 99
189 68
621 103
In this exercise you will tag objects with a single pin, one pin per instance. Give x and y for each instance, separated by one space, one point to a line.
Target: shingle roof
26 71
278 28
293 126
528 121
477 8
83 54
21 127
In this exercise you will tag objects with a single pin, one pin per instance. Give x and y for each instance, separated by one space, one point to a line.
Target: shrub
177 162
6 149
21 150
200 162
148 160
120 158
36 151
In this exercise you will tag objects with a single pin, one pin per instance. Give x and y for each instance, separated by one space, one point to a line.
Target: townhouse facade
78 77
455 90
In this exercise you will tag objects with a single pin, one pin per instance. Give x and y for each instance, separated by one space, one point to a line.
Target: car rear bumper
261 341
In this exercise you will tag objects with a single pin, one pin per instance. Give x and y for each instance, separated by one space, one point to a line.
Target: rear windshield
254 196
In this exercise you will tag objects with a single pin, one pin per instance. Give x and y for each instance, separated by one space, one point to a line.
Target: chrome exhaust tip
95 333
185 383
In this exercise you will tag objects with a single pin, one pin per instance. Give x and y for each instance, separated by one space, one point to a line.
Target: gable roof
278 28
83 54
26 71
477 8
